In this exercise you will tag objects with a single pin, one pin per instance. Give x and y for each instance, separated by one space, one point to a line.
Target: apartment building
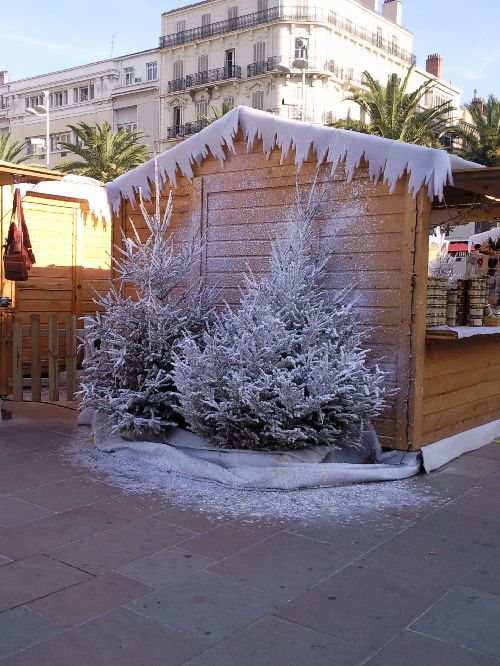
123 91
296 59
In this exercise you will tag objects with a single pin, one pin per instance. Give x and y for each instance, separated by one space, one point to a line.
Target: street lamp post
43 110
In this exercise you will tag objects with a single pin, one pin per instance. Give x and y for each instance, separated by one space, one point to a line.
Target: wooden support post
36 381
71 357
17 359
53 359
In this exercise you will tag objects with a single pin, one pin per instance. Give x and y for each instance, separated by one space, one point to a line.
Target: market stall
235 182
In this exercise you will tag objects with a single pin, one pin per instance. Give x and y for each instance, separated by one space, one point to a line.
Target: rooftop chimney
434 65
371 4
4 76
393 11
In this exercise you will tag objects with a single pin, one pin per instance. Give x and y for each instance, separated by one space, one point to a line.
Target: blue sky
43 36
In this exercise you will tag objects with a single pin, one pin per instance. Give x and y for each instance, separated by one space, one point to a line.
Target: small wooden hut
70 230
235 182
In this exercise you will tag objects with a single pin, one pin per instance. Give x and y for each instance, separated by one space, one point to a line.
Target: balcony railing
186 129
205 78
257 68
284 14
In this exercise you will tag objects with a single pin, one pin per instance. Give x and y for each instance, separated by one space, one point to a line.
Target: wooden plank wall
239 207
461 386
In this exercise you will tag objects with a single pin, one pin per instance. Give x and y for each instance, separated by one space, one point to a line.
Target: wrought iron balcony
212 76
176 85
257 68
284 14
186 129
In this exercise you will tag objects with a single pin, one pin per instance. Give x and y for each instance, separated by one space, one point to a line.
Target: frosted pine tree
129 343
287 369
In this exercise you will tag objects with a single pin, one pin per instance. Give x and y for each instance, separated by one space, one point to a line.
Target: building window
258 100
83 94
259 52
127 127
380 39
128 73
394 44
301 48
59 98
151 71
125 118
205 25
348 25
261 5
202 110
230 62
32 102
35 145
180 26
227 104
203 63
232 18
177 118
178 70
57 139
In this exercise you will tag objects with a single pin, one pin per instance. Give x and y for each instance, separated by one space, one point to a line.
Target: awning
455 248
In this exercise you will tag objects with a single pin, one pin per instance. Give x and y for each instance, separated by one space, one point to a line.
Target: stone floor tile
285 564
191 519
165 566
134 506
361 606
120 638
14 511
4 560
32 474
450 522
222 541
481 502
362 529
20 628
486 576
49 533
443 485
69 494
265 526
272 641
35 577
89 599
108 550
474 467
465 617
426 556
207 607
492 481
413 649
491 451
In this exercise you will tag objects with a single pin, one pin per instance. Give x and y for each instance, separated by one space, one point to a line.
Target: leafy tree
396 113
104 154
481 142
10 150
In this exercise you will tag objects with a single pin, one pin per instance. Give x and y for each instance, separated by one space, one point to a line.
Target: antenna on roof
113 43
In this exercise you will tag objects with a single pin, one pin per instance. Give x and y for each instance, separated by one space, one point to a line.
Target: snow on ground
128 473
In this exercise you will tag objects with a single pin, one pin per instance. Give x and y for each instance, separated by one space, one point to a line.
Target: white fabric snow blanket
188 455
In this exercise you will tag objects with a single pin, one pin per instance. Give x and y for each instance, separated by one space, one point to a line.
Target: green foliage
481 142
397 114
104 154
10 150
218 113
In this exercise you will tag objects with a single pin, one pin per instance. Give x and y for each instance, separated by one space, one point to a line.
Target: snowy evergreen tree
287 369
129 343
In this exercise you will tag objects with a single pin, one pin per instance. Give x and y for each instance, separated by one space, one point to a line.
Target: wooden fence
35 333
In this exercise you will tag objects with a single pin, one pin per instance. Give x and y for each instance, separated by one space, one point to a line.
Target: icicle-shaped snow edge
387 160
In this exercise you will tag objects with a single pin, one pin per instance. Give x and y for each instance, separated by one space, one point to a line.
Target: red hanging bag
18 256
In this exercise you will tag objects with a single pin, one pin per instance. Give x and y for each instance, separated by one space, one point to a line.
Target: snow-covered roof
74 187
476 239
387 160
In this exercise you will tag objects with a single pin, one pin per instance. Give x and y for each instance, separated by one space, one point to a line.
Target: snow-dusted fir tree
129 343
286 370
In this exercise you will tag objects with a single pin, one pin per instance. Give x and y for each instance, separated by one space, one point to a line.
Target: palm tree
10 150
397 114
218 113
481 141
104 154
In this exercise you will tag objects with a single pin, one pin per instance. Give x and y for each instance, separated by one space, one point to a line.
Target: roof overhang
14 174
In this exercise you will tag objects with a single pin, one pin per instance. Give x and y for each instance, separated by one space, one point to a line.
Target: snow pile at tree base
189 455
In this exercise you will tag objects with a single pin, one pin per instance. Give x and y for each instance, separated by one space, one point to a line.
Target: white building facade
123 91
259 53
